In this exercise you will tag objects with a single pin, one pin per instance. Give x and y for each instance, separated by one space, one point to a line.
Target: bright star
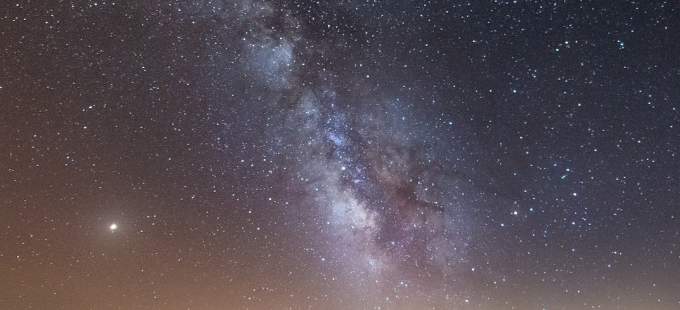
113 227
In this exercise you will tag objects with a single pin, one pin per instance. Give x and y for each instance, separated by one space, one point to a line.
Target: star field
256 154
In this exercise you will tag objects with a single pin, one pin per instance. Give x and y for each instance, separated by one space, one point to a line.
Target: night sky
252 154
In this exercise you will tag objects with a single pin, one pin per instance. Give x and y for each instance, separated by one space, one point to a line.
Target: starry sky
257 154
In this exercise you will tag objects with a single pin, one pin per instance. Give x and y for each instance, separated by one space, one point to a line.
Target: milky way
254 154
373 175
